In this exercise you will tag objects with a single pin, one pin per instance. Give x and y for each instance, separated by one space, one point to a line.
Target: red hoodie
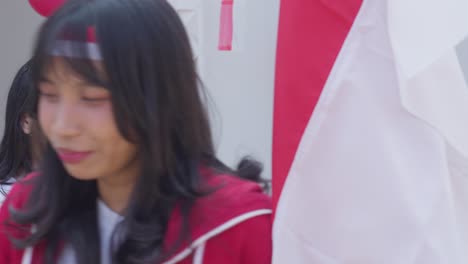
230 226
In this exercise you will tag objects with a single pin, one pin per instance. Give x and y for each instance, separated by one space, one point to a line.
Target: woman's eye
95 96
48 96
95 100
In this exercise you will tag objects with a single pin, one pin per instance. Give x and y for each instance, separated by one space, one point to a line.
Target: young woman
15 147
130 173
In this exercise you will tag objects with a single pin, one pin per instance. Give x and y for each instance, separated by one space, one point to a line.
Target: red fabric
15 200
311 34
247 242
226 25
46 7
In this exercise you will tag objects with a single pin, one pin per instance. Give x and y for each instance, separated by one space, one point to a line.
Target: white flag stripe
432 83
371 183
422 31
439 96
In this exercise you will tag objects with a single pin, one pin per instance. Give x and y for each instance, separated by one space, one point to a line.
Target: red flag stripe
311 34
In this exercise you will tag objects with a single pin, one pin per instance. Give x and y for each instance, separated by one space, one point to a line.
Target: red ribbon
226 27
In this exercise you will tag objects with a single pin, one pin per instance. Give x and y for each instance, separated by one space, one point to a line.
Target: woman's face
78 121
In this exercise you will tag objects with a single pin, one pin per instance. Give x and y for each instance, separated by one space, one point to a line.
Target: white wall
242 81
18 24
239 82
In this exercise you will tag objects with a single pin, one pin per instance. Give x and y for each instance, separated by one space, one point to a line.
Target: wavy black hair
15 147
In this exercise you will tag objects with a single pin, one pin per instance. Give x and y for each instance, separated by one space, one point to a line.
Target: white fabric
108 220
432 84
75 49
199 254
6 188
27 256
372 182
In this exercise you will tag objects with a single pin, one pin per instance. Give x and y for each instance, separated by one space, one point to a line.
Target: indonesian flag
371 133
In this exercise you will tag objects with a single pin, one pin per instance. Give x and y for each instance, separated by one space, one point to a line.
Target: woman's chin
82 174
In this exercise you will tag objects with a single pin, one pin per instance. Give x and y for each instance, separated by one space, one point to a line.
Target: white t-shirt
107 220
6 189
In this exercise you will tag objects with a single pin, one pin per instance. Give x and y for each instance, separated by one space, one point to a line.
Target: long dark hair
15 148
157 103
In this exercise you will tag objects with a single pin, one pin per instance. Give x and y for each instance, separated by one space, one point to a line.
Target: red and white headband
67 46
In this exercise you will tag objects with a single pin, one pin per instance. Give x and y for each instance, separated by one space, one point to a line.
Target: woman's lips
72 157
